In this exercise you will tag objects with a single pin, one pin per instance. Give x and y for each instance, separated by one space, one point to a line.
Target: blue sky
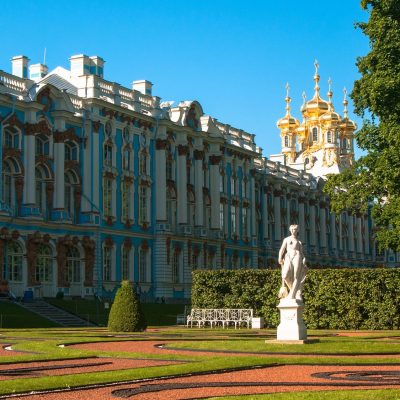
234 57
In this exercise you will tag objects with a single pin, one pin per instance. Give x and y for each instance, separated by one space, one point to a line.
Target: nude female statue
292 261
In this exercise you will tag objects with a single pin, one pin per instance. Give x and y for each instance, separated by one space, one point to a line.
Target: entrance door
74 272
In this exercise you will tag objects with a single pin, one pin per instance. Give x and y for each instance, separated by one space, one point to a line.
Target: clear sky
234 57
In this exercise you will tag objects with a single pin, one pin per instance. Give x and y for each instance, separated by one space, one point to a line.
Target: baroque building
101 183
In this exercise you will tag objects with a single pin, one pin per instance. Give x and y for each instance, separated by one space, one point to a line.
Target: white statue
293 263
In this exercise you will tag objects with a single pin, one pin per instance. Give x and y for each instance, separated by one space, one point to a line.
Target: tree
125 314
374 179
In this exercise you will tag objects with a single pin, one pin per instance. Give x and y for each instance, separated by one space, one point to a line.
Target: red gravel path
85 365
281 378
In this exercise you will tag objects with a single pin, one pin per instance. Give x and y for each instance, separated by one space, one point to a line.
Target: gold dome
316 106
330 117
346 122
287 122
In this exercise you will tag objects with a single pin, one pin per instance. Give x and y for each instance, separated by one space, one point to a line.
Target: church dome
287 122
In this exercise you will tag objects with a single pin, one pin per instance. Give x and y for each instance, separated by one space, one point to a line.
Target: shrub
125 314
334 298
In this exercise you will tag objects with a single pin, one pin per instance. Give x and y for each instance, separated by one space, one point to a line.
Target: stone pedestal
257 323
292 326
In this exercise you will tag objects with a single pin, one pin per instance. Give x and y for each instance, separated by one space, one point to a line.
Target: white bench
220 316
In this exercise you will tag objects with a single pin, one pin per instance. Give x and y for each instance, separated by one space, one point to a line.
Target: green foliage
334 298
125 314
375 177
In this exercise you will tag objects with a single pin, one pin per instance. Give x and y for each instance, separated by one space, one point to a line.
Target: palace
101 183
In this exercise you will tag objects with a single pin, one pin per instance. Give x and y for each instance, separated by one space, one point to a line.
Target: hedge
334 298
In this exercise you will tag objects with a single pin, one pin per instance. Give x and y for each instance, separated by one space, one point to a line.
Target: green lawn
14 316
94 310
43 345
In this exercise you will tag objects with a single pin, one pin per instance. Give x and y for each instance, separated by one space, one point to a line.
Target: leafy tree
125 314
374 179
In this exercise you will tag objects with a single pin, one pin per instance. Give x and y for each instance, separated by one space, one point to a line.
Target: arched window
125 270
171 209
127 158
70 182
108 154
13 262
42 145
107 263
126 200
245 225
143 163
73 265
107 196
315 134
41 175
44 267
144 273
71 151
8 191
11 138
143 217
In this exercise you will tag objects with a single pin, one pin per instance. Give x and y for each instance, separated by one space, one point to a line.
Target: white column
29 166
198 186
264 208
87 173
59 158
214 190
302 223
96 171
182 184
161 179
277 213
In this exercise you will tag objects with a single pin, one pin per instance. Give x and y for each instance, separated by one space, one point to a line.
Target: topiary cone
125 314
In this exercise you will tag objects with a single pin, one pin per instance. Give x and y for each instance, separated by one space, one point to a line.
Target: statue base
292 326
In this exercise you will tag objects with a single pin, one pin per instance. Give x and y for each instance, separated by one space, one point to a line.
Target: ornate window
107 196
108 129
127 159
108 154
8 185
42 145
126 200
233 220
125 134
221 216
44 267
71 151
233 185
73 265
11 138
329 137
143 266
126 255
176 267
171 208
107 263
12 270
70 181
169 164
143 163
143 205
315 134
245 227
41 174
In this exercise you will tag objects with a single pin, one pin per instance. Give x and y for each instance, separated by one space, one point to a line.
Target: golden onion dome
316 106
346 122
330 116
287 121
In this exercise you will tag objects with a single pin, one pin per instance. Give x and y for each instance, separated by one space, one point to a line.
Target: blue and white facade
101 183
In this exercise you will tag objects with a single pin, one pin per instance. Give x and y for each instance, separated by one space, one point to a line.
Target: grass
324 346
94 310
14 316
44 343
381 394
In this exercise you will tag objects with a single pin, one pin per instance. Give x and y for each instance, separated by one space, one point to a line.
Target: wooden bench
220 316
